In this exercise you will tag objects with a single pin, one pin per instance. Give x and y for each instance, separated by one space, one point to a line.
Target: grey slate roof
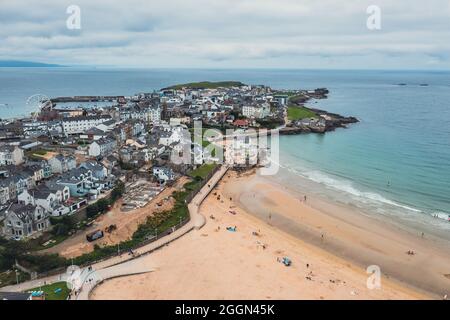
14 296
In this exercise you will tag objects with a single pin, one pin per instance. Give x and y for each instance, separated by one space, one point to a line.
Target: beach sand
214 263
345 232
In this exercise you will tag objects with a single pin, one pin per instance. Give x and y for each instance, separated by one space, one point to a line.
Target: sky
329 34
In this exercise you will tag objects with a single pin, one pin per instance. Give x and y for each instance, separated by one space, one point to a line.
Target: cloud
228 33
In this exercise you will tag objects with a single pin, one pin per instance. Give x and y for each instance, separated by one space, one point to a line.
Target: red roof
241 123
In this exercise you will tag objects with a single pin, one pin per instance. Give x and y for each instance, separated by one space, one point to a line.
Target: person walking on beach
304 198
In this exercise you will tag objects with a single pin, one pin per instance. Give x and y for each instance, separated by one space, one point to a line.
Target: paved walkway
94 278
123 265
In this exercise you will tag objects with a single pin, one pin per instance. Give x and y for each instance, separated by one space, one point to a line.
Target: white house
102 147
22 221
98 170
61 164
52 200
10 155
150 114
256 111
77 125
175 135
163 174
154 115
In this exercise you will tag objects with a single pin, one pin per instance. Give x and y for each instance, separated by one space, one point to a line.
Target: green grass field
50 291
202 171
36 154
298 113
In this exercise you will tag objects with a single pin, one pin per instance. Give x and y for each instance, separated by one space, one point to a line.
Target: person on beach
304 198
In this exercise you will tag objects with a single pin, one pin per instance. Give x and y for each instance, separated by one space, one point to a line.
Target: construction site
139 193
141 200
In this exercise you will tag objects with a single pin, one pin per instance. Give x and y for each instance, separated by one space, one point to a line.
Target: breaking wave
349 188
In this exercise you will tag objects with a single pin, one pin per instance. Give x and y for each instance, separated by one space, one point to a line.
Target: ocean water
395 162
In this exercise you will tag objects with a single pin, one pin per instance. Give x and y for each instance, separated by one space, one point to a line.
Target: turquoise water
395 161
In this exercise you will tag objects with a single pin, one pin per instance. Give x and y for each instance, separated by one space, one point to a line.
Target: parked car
97 234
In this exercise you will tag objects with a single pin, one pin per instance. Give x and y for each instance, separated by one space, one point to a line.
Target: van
97 234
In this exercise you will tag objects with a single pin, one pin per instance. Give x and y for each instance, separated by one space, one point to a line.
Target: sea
394 163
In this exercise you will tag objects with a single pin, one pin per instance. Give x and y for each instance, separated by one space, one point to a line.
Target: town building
22 221
258 111
60 164
163 174
10 155
102 147
80 124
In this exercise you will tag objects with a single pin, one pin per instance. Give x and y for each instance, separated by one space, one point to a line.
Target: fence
202 184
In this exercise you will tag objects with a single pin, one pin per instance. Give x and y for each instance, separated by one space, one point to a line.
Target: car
97 234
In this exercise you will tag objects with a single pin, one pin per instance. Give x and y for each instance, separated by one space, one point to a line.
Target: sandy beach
271 223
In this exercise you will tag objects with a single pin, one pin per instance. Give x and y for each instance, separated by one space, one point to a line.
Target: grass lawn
36 154
203 170
50 291
55 240
297 113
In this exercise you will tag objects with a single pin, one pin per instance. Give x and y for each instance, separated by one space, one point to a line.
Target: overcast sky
415 34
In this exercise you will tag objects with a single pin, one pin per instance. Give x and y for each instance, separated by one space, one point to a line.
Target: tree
92 210
118 191
102 205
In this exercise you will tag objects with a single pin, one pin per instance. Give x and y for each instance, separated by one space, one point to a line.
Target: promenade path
125 264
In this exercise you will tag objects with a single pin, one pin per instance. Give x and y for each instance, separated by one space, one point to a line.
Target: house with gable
23 221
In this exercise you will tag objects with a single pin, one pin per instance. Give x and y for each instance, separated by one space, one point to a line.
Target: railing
202 184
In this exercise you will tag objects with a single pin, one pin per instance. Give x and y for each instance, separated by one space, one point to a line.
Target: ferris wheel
38 103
